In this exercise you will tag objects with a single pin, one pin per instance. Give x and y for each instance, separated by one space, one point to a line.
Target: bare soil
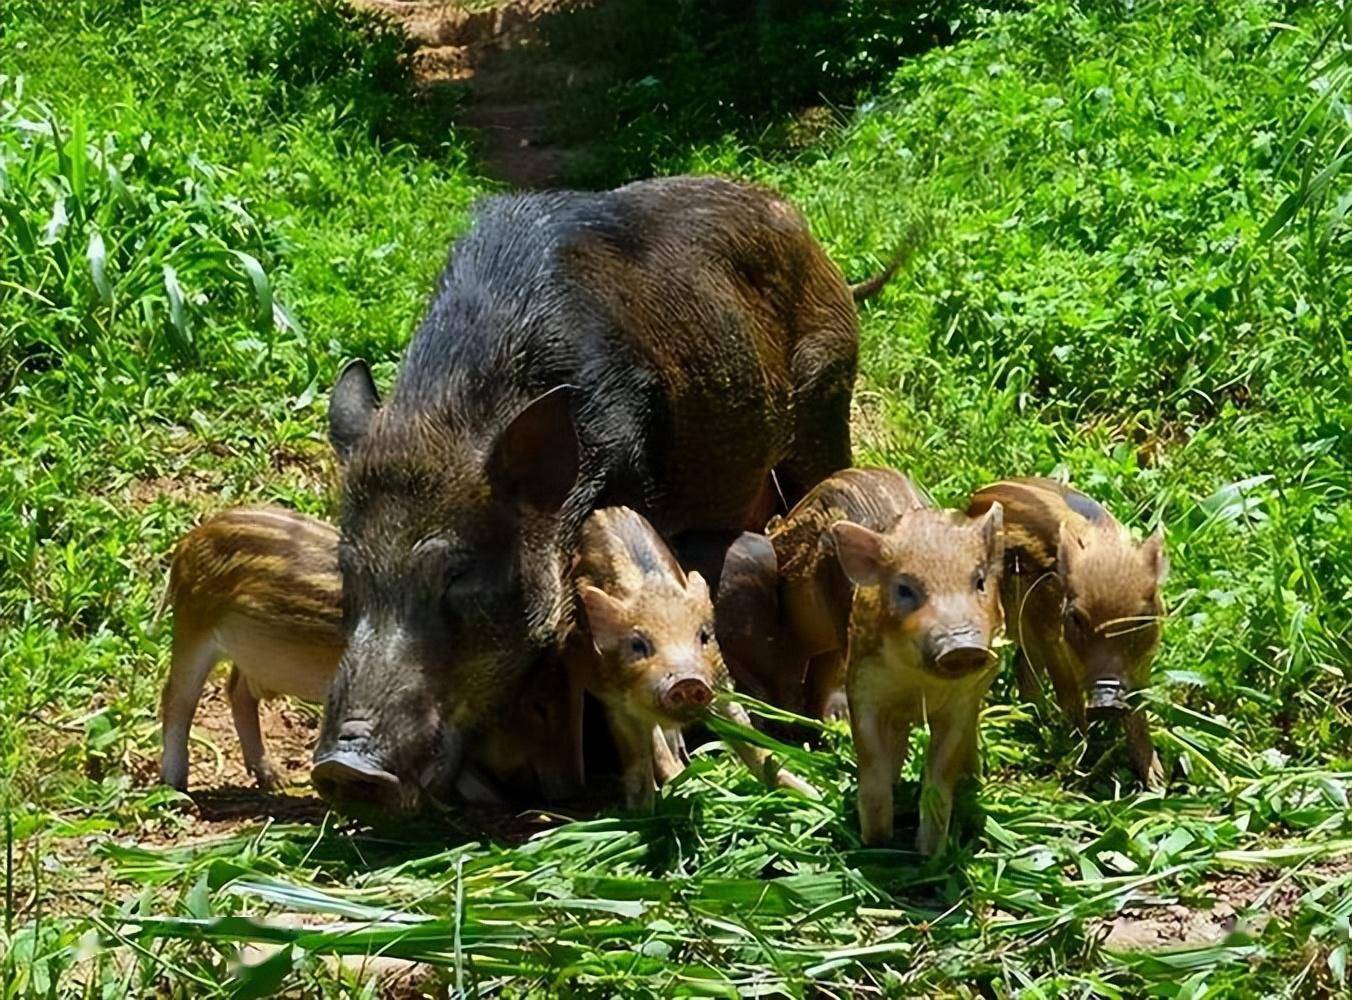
1234 902
516 85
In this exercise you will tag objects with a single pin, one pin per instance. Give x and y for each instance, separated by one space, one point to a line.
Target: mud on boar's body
1083 605
645 646
901 599
664 346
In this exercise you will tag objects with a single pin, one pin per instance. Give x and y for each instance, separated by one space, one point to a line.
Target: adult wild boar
665 346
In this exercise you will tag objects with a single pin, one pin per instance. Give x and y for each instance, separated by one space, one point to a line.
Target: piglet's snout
685 695
958 653
1106 697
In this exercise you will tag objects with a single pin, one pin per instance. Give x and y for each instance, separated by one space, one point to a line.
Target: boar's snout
685 696
1106 698
956 654
350 778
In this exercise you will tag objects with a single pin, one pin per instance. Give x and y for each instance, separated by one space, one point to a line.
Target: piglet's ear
1156 559
605 618
1068 544
992 527
860 552
697 588
535 458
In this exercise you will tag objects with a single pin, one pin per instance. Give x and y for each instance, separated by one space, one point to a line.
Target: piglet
258 586
645 647
1083 602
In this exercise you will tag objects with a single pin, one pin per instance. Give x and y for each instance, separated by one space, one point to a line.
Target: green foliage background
1139 276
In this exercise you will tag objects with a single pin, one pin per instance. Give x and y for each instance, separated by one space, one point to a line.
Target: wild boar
664 346
902 598
645 646
1083 603
260 587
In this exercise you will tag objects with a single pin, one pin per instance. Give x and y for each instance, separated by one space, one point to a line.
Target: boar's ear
351 405
605 618
1156 559
992 525
860 552
535 458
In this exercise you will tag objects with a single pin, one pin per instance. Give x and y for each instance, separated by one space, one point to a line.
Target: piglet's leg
194 655
244 709
881 744
1141 750
759 761
826 687
952 753
1068 683
635 742
666 755
1027 680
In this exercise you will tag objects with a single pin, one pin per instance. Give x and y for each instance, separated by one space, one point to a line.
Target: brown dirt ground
515 85
1222 905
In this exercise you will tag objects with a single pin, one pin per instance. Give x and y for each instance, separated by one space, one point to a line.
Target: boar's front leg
953 753
1141 750
759 761
880 743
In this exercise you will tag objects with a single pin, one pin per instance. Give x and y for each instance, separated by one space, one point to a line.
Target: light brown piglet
258 586
1083 602
896 600
645 647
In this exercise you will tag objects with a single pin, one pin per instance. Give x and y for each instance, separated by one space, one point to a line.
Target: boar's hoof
347 778
1106 699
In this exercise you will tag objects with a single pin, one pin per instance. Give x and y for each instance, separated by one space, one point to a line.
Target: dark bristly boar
664 346
260 587
1083 604
903 598
645 647
257 586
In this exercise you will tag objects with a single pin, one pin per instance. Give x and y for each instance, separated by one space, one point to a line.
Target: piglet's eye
904 594
981 583
639 647
705 636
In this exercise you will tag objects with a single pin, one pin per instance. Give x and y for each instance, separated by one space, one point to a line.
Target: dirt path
516 85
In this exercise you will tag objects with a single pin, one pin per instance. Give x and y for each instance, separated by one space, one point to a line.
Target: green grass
1140 275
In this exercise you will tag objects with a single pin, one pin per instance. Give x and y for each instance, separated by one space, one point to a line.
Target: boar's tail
912 241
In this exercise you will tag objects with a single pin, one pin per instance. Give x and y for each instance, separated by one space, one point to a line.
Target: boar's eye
980 583
639 646
705 635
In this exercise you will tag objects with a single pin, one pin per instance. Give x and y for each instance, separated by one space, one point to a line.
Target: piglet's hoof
837 708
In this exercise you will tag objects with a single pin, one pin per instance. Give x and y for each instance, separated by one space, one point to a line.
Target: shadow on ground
596 92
